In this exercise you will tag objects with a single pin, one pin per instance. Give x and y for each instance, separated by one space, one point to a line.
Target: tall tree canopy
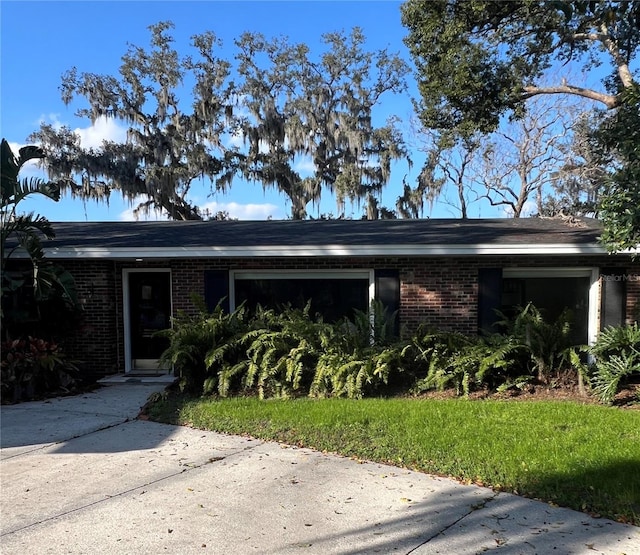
477 60
318 111
307 123
619 135
167 147
521 159
578 181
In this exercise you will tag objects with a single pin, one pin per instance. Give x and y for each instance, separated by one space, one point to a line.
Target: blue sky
42 40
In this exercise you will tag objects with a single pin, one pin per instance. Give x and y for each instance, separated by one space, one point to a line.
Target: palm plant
24 231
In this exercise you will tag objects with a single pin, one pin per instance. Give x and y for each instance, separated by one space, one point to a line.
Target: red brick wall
440 292
633 293
98 342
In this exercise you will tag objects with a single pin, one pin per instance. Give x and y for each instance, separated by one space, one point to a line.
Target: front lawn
585 457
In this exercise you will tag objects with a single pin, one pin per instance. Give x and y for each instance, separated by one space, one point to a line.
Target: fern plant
341 373
617 359
358 357
549 343
435 352
282 350
465 363
196 344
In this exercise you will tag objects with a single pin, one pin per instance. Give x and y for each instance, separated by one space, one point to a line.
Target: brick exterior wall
439 291
98 344
633 293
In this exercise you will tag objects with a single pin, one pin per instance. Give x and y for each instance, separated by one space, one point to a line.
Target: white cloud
128 215
104 129
305 165
234 209
52 118
244 211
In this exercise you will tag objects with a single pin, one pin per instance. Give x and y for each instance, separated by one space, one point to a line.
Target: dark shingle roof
321 238
172 234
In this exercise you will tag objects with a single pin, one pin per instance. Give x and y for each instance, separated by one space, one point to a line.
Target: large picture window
552 291
333 295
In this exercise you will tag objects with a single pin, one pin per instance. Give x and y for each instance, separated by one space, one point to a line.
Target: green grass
585 457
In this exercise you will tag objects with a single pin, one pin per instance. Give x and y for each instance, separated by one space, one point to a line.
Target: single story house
452 274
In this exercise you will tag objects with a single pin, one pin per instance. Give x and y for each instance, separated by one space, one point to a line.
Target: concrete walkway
83 475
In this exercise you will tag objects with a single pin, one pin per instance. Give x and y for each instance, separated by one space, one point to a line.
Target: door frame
126 272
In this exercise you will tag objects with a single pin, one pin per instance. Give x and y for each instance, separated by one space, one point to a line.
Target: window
333 295
551 290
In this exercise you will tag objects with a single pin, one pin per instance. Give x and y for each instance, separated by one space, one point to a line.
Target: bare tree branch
609 100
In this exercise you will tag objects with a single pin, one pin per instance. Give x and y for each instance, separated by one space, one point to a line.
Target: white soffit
325 251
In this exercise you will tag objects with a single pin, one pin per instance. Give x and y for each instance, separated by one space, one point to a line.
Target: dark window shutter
614 297
387 284
489 297
216 289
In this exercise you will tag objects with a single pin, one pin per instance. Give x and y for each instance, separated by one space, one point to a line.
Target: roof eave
314 251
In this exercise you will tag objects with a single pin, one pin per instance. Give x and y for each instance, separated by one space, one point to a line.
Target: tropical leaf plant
33 366
24 232
617 359
28 228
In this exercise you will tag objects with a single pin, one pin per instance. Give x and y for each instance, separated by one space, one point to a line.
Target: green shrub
432 353
342 372
465 363
281 353
282 349
359 356
549 344
287 353
33 367
195 342
617 358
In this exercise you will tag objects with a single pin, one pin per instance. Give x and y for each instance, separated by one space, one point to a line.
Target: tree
576 186
477 60
521 159
510 168
318 111
167 148
448 165
619 134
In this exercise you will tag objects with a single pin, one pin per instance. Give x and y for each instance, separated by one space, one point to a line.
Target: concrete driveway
83 475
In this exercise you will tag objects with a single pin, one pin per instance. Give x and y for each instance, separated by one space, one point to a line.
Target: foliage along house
450 274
